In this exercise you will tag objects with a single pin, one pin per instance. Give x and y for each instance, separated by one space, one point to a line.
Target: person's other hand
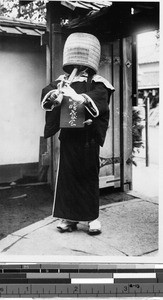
70 92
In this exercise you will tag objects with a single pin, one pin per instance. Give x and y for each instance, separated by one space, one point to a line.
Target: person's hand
70 92
56 97
54 94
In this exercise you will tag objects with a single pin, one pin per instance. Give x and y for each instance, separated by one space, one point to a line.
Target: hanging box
72 115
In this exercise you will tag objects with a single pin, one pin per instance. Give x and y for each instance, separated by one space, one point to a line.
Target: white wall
149 67
154 145
22 76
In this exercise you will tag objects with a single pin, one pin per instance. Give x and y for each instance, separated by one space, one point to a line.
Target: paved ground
129 228
24 204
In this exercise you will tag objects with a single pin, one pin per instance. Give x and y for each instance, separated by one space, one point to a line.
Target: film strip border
81 267
81 280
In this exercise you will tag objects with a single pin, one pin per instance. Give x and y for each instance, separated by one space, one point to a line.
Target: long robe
77 185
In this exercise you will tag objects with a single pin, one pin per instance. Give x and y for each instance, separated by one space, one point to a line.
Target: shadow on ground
23 205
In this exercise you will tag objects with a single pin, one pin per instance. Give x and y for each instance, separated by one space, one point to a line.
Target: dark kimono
77 185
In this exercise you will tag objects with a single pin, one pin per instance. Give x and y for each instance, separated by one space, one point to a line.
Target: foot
67 226
94 227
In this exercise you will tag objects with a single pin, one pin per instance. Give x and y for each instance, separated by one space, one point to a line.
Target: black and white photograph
79 126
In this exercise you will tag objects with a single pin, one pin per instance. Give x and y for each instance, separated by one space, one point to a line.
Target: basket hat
81 49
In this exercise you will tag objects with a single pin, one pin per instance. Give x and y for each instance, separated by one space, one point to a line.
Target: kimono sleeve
97 100
47 104
52 116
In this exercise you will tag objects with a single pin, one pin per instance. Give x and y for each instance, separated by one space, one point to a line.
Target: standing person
77 186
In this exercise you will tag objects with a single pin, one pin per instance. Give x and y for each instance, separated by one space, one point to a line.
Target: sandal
94 227
67 226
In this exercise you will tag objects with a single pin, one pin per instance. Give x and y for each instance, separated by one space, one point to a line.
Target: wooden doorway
116 66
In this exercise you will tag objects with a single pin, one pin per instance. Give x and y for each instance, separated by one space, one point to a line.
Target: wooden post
54 69
48 80
57 61
105 70
134 72
126 112
116 110
147 131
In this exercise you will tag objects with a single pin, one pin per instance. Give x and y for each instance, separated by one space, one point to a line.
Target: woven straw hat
81 49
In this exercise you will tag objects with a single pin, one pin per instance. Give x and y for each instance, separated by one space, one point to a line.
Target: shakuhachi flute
55 96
